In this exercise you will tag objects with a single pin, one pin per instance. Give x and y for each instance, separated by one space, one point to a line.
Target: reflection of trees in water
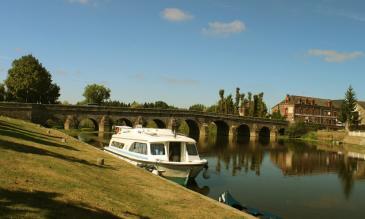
303 159
346 172
235 157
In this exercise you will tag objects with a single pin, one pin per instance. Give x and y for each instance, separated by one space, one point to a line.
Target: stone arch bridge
231 126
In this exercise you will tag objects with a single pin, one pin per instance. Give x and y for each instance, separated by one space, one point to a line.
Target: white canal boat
169 154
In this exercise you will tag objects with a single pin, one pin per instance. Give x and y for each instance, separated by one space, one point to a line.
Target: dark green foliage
95 93
229 105
28 81
115 103
348 113
237 101
2 92
255 107
198 107
277 115
157 104
221 101
297 130
161 105
212 109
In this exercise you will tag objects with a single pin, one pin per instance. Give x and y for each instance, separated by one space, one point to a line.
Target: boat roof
150 135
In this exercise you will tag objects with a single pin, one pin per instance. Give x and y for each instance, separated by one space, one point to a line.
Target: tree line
29 82
241 104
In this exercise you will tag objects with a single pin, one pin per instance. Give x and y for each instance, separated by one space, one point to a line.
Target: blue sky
183 52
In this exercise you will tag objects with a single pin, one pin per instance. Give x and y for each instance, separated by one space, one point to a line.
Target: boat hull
166 169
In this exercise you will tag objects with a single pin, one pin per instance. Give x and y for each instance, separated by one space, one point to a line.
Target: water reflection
293 158
310 180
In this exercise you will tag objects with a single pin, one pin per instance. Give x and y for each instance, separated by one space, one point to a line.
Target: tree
28 81
161 105
237 100
2 92
277 115
95 93
212 109
221 101
229 105
348 114
198 107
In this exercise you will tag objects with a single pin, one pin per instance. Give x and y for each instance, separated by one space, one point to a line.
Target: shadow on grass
15 132
39 151
44 203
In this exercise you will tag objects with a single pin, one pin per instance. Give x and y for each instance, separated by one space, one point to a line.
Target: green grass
43 177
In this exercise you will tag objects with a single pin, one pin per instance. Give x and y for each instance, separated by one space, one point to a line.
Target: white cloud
176 15
335 56
224 29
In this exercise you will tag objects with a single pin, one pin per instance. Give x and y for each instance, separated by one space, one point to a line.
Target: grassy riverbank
41 176
320 135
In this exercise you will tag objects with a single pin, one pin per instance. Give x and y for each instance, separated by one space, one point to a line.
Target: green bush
297 130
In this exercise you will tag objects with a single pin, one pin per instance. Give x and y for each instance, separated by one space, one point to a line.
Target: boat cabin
154 145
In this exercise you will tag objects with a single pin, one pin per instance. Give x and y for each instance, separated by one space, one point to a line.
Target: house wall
361 111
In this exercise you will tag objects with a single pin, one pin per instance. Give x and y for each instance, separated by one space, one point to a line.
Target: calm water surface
290 179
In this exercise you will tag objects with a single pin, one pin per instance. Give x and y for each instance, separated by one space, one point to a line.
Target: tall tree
229 105
95 93
221 101
242 105
2 92
237 101
249 104
348 114
28 81
255 106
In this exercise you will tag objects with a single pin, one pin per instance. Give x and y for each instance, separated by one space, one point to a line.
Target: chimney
287 98
329 103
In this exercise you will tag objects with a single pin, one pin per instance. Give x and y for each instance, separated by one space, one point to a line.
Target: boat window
158 149
140 148
191 148
117 144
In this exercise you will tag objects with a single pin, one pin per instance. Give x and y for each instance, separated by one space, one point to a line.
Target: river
291 179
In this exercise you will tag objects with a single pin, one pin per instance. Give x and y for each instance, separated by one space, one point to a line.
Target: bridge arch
87 122
54 122
194 131
159 123
222 128
281 131
70 123
243 133
154 123
123 122
264 135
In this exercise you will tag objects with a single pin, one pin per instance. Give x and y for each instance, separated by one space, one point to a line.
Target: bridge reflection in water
293 179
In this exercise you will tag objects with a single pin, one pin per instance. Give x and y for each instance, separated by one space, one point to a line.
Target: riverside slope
41 176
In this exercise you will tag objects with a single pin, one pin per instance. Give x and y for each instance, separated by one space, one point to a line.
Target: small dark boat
228 199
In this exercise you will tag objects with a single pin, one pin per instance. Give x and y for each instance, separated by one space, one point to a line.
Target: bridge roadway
69 116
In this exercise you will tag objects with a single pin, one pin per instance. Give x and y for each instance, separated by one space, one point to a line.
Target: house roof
295 99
